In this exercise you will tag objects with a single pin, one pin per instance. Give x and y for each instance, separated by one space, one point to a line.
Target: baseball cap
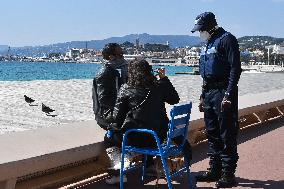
204 22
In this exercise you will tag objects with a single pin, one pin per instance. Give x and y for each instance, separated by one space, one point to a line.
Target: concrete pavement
260 165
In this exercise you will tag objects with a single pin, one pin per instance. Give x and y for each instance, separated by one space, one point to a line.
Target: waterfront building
165 61
130 57
73 53
192 56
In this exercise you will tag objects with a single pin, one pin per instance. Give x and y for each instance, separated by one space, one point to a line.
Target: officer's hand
225 104
201 105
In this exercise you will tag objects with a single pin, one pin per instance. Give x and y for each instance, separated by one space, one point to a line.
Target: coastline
72 99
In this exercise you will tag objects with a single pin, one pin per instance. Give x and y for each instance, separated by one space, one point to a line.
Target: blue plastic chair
178 126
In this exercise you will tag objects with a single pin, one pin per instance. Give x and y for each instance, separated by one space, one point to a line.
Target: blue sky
40 22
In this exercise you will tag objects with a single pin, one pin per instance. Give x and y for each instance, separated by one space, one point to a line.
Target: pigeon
46 109
29 100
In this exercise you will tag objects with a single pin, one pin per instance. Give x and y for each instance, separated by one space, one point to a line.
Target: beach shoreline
72 99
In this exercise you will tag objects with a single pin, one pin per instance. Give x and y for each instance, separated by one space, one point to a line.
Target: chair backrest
179 122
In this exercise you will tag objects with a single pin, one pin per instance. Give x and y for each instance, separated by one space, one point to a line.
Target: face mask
204 35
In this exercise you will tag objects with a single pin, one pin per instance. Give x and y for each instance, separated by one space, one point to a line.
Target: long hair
140 74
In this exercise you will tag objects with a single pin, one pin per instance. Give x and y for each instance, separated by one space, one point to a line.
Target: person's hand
113 127
225 104
161 73
201 104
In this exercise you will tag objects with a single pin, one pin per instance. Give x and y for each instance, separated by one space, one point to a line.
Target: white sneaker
114 155
115 180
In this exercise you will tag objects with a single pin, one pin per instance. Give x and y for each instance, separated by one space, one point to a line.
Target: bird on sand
46 109
29 99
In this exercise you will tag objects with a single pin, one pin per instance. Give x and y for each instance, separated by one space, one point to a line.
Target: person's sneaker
209 176
127 162
115 180
226 181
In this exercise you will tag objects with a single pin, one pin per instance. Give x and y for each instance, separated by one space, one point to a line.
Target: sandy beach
72 99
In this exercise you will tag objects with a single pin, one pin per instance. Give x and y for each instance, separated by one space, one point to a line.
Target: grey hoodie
122 66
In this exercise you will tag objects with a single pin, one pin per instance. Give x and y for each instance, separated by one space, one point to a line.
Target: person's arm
231 47
121 108
202 95
170 94
106 89
95 97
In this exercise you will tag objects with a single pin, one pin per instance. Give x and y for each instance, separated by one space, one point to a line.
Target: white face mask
204 35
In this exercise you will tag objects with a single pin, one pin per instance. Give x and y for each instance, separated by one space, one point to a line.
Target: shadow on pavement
199 154
246 134
134 181
268 184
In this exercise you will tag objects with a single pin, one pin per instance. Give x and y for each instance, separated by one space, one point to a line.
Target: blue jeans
221 129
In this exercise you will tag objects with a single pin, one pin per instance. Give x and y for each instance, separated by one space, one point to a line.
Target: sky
42 22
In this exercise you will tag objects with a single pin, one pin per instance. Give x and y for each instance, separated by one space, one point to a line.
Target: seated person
140 104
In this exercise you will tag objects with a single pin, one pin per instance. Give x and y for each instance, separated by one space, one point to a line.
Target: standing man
220 69
107 83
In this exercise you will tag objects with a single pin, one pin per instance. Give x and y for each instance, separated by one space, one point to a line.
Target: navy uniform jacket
227 66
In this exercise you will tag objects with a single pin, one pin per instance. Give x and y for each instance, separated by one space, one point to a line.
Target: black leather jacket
105 87
145 108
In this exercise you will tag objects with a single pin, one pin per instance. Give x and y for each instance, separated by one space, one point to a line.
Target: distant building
137 43
192 56
130 57
156 47
278 49
257 53
73 53
165 61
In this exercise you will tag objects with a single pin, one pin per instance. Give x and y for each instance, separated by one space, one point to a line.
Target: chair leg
143 167
189 176
121 169
166 172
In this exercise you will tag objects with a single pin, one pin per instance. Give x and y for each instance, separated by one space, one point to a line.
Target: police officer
220 69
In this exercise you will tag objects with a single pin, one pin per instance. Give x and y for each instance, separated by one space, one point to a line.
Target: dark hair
140 74
109 49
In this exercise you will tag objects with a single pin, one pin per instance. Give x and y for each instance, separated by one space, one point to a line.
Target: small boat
195 71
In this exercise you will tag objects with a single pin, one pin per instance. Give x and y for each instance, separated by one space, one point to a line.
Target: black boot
213 174
227 180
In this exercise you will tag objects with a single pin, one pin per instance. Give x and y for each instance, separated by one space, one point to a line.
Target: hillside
174 41
246 42
259 41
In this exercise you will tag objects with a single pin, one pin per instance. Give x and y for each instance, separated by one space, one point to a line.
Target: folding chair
178 126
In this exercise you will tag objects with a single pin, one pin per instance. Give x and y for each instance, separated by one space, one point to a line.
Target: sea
28 71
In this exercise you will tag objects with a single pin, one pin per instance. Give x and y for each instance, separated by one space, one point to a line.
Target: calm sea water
27 71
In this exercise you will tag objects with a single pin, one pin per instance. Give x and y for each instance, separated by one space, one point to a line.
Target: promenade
70 156
260 165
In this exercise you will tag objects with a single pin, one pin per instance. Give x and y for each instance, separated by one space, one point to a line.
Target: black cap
204 22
